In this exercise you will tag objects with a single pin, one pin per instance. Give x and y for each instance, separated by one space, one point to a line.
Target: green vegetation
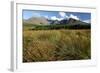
54 45
56 26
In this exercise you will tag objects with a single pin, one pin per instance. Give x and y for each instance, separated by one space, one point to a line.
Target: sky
57 15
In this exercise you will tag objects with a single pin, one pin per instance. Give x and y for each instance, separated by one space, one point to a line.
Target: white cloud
67 17
62 14
87 21
55 18
59 19
74 17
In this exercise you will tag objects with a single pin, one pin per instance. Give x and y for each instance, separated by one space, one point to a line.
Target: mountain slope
37 21
72 21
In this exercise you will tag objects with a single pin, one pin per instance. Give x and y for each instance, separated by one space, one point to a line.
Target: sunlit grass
54 45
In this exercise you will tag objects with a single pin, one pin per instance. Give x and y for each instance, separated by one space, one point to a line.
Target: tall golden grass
56 45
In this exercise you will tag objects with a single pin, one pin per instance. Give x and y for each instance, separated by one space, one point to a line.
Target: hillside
36 20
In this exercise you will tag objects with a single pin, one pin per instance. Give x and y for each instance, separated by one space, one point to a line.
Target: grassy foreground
56 45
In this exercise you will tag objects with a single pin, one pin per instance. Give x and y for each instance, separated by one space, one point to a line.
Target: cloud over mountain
56 18
62 14
74 17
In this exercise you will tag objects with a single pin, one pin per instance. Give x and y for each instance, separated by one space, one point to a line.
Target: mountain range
44 21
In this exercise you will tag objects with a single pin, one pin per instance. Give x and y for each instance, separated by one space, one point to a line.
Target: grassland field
56 45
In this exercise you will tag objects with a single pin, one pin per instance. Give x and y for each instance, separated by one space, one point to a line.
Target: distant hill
72 21
36 21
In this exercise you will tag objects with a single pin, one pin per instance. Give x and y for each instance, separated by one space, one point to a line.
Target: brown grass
54 45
